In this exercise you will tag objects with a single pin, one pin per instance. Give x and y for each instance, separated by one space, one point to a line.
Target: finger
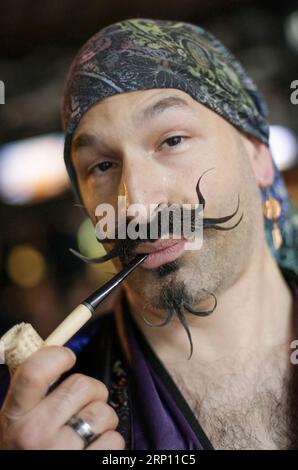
110 440
32 379
100 417
73 394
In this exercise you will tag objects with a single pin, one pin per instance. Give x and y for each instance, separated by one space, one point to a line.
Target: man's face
152 146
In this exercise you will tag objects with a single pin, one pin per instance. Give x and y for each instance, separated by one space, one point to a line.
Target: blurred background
39 219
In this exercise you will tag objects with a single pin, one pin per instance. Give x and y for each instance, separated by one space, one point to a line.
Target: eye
173 141
101 167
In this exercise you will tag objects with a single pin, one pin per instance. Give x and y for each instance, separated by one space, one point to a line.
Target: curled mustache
125 247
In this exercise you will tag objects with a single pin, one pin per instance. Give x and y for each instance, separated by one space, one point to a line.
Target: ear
261 160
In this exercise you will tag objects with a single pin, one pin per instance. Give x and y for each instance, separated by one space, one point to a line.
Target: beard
189 285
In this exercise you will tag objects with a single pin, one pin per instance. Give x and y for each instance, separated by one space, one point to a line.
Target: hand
31 419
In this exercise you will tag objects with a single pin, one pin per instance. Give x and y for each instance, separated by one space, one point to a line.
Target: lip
160 252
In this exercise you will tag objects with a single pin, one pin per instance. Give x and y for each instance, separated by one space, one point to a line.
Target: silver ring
83 429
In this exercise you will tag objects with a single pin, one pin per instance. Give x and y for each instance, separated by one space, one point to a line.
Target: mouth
160 252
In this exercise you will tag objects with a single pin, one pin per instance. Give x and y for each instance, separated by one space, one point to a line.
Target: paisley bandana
141 54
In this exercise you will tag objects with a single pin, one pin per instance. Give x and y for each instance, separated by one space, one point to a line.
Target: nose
143 185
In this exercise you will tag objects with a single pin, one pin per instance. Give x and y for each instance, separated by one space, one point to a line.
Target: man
160 112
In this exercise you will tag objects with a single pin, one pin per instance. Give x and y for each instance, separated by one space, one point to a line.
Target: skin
253 321
254 312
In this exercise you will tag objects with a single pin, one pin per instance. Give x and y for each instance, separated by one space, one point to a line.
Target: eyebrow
84 140
160 106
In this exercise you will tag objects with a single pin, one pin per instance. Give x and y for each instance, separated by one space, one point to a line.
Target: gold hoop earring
272 212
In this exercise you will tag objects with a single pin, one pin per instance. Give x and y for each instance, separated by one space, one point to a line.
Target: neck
253 314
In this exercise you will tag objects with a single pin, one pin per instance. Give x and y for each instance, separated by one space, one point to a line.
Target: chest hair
250 407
